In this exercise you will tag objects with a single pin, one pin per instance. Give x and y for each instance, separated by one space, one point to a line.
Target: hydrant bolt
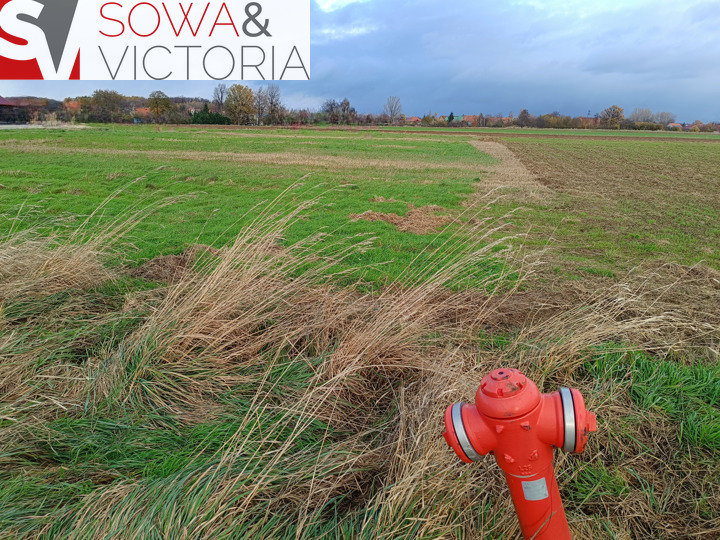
522 427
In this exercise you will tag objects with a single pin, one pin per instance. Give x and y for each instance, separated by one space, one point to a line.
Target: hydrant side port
522 427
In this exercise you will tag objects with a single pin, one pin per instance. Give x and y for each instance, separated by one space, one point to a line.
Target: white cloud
579 8
301 100
341 32
333 5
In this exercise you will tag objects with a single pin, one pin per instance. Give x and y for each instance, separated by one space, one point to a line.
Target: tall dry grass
335 397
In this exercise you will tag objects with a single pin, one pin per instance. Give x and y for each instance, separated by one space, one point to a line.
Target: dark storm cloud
476 56
471 57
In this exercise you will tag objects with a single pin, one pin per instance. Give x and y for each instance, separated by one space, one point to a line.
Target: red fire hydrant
522 427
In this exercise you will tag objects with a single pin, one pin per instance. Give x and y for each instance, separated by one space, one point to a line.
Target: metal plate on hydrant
535 490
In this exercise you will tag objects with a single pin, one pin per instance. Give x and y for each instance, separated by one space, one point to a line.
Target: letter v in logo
55 20
31 20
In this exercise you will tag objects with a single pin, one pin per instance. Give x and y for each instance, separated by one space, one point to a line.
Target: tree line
241 105
235 104
612 117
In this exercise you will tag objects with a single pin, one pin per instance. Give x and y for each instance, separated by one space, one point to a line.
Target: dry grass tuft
43 266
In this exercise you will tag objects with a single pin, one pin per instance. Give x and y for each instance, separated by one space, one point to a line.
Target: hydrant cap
506 392
503 382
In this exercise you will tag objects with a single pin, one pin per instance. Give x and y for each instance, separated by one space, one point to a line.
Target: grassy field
254 333
224 176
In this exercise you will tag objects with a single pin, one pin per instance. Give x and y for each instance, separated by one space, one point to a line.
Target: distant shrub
648 126
641 126
207 117
432 120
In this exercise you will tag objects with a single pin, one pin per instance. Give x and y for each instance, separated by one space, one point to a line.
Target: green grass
689 396
166 443
63 176
597 481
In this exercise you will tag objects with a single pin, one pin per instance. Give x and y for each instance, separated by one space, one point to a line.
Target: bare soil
421 220
171 268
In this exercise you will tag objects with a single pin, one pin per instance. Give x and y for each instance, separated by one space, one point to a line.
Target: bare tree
664 118
347 113
392 108
261 104
331 108
276 110
219 96
641 115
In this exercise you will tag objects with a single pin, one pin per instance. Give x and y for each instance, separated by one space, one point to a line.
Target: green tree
160 104
206 117
106 105
451 118
240 104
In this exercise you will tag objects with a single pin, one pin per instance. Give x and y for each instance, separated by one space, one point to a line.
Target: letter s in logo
10 23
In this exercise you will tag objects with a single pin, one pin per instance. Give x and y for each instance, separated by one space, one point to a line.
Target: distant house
8 110
413 120
674 125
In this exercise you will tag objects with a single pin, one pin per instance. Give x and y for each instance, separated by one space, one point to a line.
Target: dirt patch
165 268
172 268
510 175
421 220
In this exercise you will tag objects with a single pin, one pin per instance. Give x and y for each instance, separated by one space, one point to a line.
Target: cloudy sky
490 56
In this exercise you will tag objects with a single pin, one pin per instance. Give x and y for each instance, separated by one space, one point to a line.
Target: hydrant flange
459 428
